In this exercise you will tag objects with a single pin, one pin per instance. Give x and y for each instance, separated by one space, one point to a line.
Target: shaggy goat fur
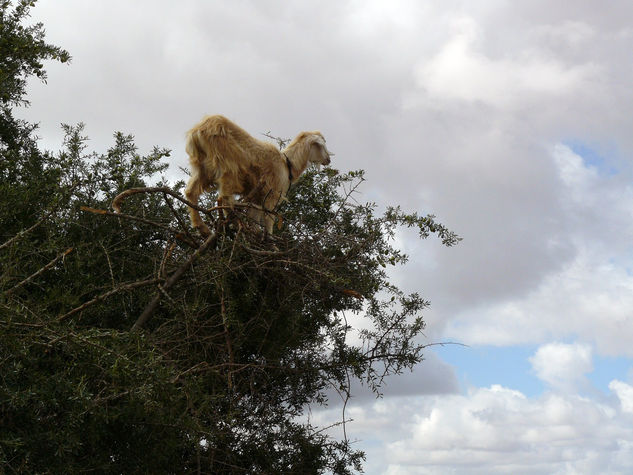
223 154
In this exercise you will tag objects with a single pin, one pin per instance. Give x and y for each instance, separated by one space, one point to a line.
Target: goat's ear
316 138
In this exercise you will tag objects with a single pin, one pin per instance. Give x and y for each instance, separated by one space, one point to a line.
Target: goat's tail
204 157
213 148
206 137
203 167
194 146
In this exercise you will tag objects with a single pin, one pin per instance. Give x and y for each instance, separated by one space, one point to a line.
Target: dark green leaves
22 52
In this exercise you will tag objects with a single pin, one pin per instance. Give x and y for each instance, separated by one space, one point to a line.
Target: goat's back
218 147
216 133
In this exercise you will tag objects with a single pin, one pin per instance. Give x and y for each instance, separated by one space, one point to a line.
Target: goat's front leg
269 221
271 202
226 201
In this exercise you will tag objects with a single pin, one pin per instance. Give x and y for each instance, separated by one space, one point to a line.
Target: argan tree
129 343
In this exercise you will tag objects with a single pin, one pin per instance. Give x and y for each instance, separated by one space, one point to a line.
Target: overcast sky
509 120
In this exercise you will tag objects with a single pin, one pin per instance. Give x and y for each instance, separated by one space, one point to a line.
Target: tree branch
153 305
104 296
42 270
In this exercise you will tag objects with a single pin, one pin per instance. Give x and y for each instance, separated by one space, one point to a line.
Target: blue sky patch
593 156
483 366
608 368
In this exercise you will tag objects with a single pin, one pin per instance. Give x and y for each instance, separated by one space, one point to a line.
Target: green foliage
27 183
238 349
68 395
246 337
23 50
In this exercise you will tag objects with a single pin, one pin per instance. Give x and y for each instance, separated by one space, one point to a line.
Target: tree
239 336
24 170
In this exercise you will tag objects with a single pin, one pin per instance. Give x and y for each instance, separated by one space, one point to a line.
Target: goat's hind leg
192 192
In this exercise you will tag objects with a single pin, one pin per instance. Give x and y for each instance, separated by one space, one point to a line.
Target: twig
444 343
227 338
116 202
239 230
165 294
104 296
151 307
183 226
281 143
266 253
178 235
25 231
347 389
109 263
195 368
335 424
42 270
168 250
126 216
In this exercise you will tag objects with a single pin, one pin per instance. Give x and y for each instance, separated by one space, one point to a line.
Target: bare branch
42 270
120 288
25 231
118 199
151 307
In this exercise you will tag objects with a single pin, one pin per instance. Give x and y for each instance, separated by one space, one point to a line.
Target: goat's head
311 147
319 154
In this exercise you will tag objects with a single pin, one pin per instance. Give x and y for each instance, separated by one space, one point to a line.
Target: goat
223 154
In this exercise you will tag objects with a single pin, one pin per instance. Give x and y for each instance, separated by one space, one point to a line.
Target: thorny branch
151 307
41 271
102 297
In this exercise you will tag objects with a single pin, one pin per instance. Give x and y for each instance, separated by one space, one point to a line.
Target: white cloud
625 395
495 430
591 295
461 71
590 298
571 33
432 376
563 366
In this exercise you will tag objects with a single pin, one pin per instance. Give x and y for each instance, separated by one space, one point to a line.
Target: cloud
563 366
624 392
591 294
569 33
497 430
461 72
432 376
590 298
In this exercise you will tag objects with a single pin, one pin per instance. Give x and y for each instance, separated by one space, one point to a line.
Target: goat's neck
298 161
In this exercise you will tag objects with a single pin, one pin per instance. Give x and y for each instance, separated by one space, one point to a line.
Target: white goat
223 154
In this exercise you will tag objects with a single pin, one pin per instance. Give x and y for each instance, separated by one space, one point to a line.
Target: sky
508 119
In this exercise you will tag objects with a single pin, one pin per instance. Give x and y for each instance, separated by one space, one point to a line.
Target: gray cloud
431 377
458 108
